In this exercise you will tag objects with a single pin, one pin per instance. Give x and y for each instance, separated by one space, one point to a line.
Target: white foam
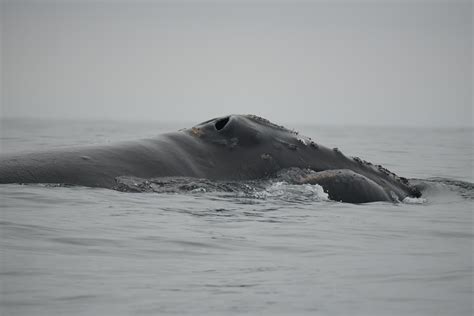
294 192
412 200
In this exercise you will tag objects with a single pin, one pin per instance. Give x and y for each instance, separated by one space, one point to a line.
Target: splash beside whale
234 147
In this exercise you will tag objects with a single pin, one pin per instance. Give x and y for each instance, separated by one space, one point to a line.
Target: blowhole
221 123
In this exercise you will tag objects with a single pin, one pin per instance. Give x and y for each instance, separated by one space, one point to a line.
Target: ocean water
281 249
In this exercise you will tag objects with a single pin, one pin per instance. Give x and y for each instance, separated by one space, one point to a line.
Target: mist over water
341 62
282 249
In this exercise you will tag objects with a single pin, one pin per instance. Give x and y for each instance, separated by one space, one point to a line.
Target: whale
231 147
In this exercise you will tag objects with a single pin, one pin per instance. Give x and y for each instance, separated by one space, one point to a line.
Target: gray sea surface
282 250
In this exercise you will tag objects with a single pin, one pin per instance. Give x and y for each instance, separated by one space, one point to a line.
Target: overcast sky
378 63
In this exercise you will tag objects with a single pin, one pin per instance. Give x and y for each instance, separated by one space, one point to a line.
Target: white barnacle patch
305 141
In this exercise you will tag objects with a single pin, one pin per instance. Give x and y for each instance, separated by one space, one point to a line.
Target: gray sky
382 63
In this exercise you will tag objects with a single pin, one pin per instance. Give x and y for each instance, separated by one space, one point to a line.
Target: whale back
233 147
